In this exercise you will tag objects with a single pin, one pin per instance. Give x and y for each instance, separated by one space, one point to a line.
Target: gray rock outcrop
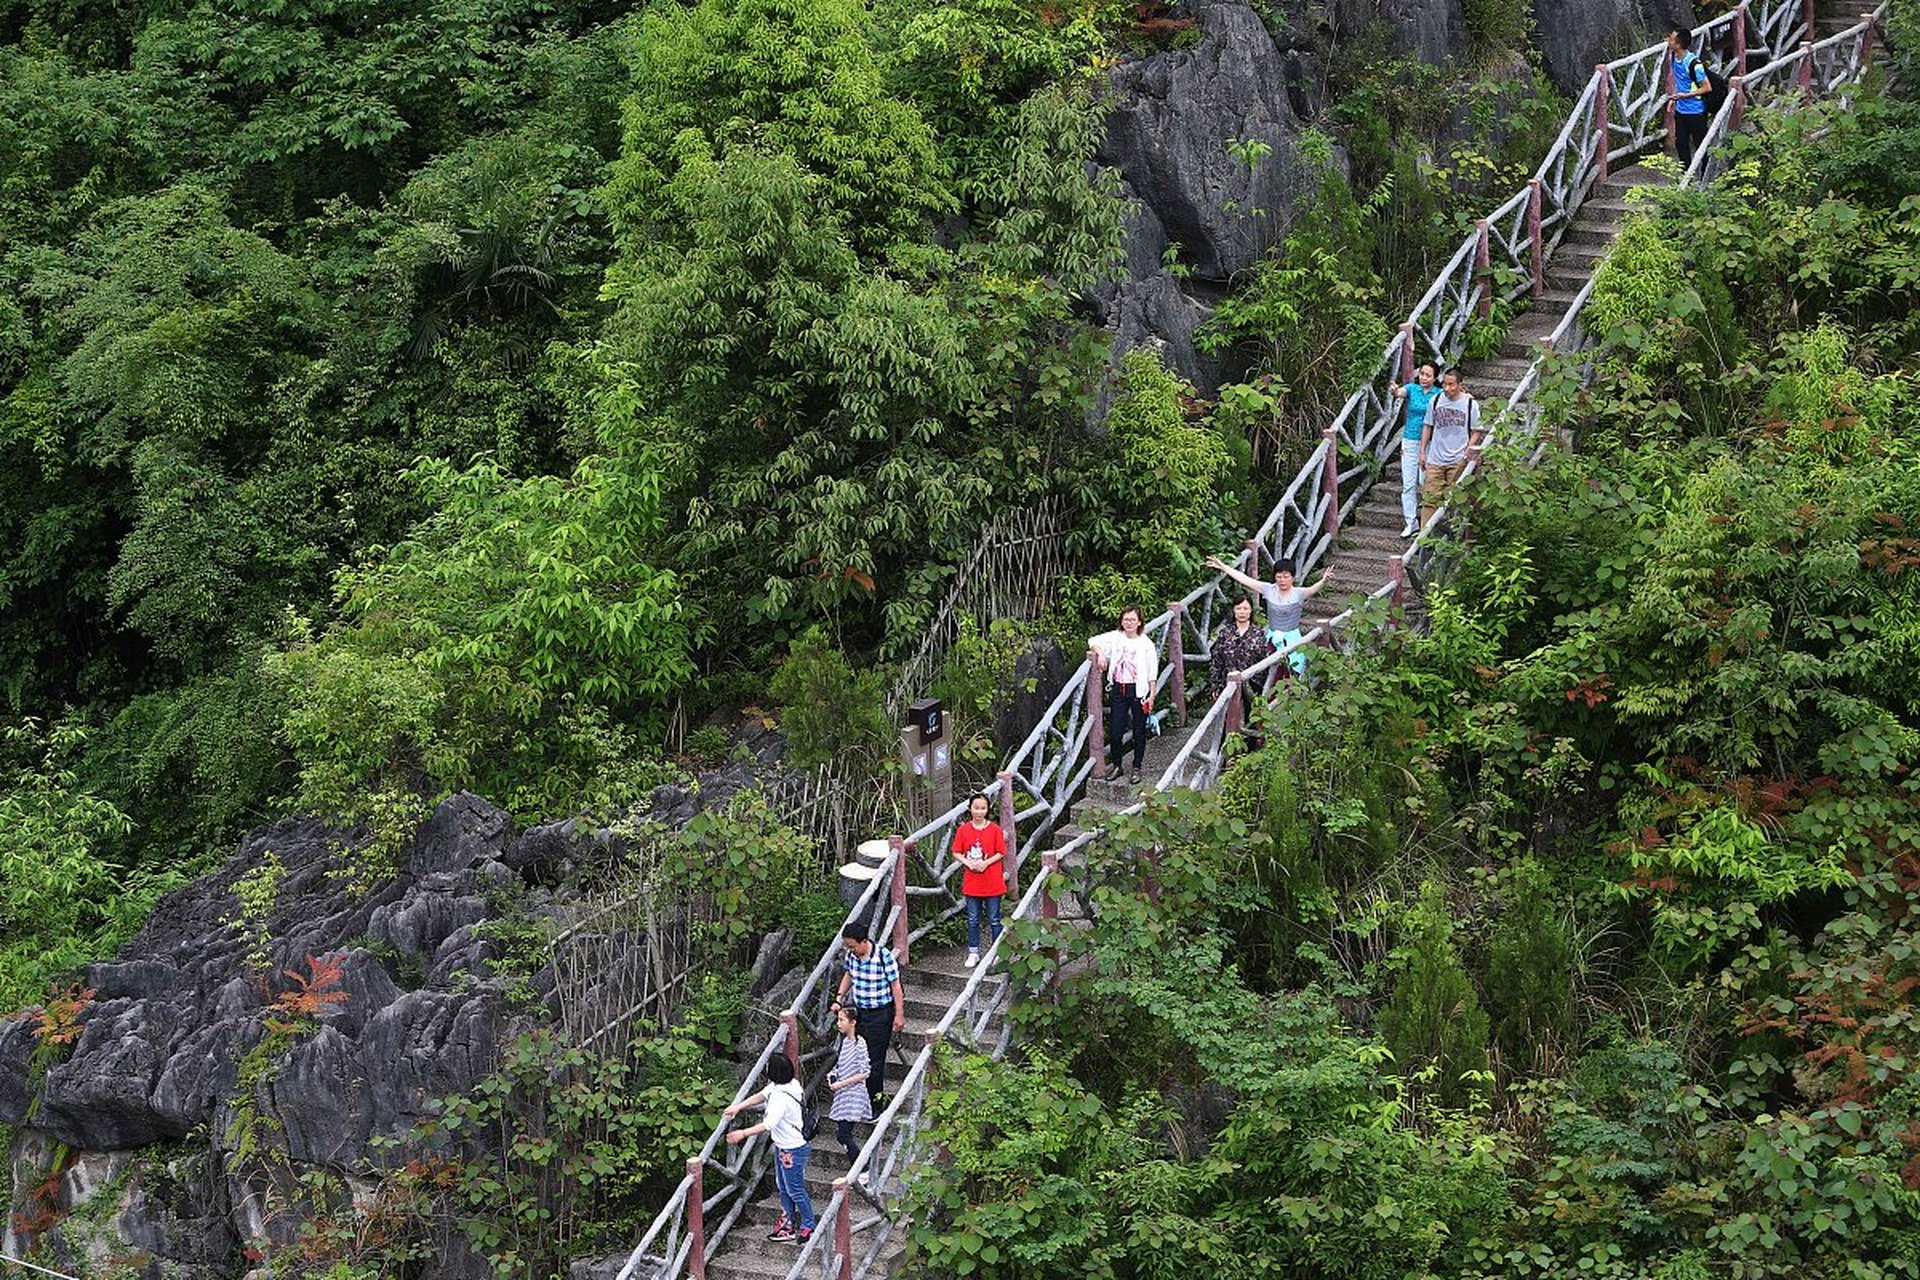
1573 35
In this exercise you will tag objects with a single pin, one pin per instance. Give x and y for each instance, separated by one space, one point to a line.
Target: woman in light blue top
1418 394
1285 603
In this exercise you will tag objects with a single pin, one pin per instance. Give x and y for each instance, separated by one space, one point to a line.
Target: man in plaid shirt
871 988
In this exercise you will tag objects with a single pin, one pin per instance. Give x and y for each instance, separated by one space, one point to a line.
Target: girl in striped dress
848 1081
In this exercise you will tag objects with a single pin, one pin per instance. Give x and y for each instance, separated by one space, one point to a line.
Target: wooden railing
1622 109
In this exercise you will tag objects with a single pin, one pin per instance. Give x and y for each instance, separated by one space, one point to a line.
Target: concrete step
1583 256
1526 332
1621 181
1553 302
1586 232
1482 375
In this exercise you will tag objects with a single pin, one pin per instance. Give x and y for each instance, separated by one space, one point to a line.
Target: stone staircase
1115 796
1371 535
935 976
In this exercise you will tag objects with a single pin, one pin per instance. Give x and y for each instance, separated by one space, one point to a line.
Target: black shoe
1112 774
1134 777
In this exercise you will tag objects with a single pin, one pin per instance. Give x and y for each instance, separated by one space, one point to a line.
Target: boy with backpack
1692 88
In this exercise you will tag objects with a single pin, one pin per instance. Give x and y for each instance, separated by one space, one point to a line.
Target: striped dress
851 1103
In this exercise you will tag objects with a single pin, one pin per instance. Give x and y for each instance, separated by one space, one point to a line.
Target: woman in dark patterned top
1236 646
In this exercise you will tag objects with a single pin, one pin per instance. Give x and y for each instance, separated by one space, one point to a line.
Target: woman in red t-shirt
981 847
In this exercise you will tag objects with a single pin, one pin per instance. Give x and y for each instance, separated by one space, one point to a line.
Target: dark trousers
1124 709
1688 133
876 1028
844 1131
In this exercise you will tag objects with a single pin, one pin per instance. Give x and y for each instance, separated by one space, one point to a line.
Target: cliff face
173 1137
1200 214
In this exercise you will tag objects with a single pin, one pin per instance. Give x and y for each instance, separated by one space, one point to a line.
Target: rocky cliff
1200 215
162 1141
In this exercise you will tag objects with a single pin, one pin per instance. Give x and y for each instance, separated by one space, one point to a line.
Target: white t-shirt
783 1116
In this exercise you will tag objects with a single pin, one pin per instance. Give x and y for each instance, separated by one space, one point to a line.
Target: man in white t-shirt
1451 430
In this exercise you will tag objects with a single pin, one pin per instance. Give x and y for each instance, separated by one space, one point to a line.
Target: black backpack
1717 87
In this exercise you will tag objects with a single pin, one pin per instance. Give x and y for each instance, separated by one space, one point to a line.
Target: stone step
1527 331
1584 256
1553 302
1481 375
1620 181
1583 232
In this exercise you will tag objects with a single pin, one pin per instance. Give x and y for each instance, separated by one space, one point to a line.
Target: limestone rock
1573 35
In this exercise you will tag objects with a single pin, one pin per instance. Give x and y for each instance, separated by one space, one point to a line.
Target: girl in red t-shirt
981 847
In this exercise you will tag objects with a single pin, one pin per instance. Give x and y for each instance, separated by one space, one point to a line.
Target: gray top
1453 421
1283 611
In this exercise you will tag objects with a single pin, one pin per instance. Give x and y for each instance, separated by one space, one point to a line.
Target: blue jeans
973 918
794 1202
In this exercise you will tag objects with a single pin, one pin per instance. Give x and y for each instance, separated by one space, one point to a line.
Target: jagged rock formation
134 1147
1573 35
1199 214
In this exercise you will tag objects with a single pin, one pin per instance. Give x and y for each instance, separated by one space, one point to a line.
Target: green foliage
979 678
59 900
1499 24
561 1151
507 631
829 711
1434 1018
750 865
1155 502
1529 967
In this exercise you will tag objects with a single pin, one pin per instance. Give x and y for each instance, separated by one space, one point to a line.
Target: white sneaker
973 958
1409 530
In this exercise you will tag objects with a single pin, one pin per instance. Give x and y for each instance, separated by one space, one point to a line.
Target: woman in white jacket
1130 663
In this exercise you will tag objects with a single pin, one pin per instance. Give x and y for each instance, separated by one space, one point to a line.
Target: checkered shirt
873 978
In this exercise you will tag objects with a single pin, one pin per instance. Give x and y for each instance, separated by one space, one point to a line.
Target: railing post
791 1021
1804 76
1673 136
1739 101
1806 16
1406 353
1740 39
1153 874
843 1229
697 1220
898 889
1049 908
1179 679
1601 145
1332 484
1397 574
1866 42
1096 711
1236 706
1006 829
1483 270
1253 557
1537 248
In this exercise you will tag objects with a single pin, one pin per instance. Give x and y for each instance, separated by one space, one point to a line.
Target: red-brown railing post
1804 76
1049 908
1178 681
843 1229
1740 39
1406 353
1153 874
1006 829
1253 557
1096 711
696 1220
1397 574
1673 135
898 891
791 1021
1236 705
1536 245
1483 270
1866 42
1739 100
1806 16
1332 485
1601 144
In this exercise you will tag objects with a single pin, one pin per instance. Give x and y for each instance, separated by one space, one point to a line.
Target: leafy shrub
1529 967
1434 1018
829 711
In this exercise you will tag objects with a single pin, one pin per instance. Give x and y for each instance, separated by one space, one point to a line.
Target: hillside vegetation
1577 934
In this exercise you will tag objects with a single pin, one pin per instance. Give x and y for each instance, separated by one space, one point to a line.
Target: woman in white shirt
790 1150
1130 663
